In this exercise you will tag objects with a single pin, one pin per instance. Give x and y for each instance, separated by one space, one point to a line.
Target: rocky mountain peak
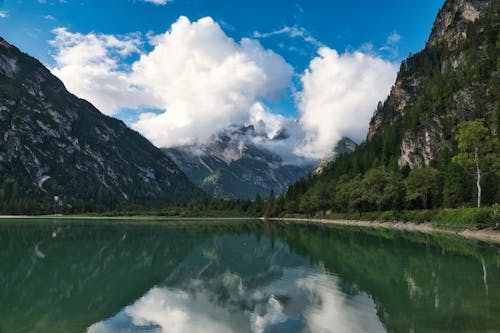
448 82
453 19
4 43
233 164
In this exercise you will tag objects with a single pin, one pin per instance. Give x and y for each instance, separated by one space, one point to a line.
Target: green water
110 277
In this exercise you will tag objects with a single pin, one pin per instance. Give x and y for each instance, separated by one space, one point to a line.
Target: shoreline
484 235
135 217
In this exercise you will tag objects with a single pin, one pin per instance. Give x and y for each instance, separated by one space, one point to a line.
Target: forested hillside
434 137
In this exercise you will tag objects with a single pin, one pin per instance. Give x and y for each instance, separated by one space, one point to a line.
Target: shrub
387 216
465 218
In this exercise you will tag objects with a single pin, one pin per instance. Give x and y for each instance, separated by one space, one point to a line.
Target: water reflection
241 277
303 300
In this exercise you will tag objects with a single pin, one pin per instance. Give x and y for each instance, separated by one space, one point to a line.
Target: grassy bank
177 211
455 219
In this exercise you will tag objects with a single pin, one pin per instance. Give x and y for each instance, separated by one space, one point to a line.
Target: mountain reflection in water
76 276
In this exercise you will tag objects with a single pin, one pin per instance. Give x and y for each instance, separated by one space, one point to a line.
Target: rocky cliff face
232 166
58 150
457 72
453 19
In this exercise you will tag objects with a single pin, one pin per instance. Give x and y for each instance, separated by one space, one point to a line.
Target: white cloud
90 67
201 79
292 32
339 95
391 45
268 125
158 2
394 38
4 14
205 81
49 17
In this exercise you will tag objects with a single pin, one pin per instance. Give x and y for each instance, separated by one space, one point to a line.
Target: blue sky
338 24
289 35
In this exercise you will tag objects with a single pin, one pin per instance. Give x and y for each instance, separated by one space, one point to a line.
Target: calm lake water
241 276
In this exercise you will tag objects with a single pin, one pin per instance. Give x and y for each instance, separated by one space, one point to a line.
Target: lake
103 276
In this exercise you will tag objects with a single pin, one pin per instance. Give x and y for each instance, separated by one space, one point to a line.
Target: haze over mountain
232 164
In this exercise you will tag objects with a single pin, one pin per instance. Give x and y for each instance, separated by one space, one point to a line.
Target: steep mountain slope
231 166
454 79
59 153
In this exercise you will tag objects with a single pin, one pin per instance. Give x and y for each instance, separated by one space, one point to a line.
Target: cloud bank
197 80
339 95
201 79
205 81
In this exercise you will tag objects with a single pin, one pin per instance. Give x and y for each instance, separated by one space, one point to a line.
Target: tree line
470 177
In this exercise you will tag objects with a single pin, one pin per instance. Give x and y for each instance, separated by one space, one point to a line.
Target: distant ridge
231 166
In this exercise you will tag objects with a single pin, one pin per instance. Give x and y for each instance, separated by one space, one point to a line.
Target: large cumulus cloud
197 80
204 81
339 95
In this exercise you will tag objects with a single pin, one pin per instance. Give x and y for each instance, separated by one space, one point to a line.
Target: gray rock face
55 144
453 19
231 166
418 150
450 49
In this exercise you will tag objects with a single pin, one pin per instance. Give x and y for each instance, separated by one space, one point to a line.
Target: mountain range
232 166
58 153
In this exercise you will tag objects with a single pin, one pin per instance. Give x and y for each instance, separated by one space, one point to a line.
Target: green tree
349 194
420 184
258 205
478 150
307 204
382 188
321 196
270 205
457 186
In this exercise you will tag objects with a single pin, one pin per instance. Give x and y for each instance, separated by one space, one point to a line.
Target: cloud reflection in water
301 300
